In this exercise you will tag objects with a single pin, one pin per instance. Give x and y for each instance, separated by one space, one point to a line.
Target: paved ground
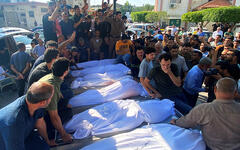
8 95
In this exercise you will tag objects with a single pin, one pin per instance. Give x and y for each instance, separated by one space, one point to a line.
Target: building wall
80 3
237 3
176 8
24 15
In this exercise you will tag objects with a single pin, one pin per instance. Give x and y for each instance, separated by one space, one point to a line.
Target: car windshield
22 38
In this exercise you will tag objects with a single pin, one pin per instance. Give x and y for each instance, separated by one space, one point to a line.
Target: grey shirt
219 122
145 68
181 64
19 60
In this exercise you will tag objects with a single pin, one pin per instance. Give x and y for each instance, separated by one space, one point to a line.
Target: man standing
18 119
38 49
217 32
67 25
20 65
58 111
49 25
179 61
117 27
194 80
219 120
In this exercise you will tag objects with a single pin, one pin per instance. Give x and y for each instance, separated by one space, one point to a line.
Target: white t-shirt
1 73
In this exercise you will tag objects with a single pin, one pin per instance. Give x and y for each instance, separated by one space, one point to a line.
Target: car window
22 38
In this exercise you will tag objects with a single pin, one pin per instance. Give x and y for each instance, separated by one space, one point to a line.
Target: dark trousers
65 115
192 99
21 86
35 142
181 103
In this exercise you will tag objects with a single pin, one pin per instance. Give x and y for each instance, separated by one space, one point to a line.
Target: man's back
40 71
16 124
219 122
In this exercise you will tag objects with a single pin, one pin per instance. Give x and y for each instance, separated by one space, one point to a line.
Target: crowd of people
170 64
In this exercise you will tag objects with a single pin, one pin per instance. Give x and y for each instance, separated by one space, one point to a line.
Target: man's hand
158 95
173 121
167 70
67 138
20 76
51 143
72 38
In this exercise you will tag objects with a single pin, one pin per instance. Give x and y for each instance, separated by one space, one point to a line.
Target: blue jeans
181 103
124 59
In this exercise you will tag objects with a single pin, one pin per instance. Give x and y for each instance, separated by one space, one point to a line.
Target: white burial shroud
119 115
95 63
152 137
100 69
99 79
119 90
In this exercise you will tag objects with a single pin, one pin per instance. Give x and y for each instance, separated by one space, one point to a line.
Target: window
23 14
31 14
175 1
44 10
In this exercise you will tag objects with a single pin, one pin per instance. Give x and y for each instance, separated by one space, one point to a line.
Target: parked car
136 30
141 26
9 36
192 29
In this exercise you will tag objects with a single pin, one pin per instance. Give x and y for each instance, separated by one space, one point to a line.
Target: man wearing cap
218 120
18 120
194 80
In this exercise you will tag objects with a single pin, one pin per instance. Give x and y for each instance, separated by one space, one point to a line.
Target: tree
127 7
139 16
146 7
156 16
222 14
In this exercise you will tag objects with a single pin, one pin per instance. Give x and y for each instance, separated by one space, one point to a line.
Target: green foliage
155 16
221 14
127 7
146 7
139 16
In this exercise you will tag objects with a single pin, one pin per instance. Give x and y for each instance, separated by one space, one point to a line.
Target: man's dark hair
124 37
175 46
44 92
118 12
237 54
139 48
76 7
60 66
124 17
52 44
149 50
99 10
165 56
50 54
20 45
187 44
199 53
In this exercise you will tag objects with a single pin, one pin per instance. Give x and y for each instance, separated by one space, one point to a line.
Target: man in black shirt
168 83
49 26
44 68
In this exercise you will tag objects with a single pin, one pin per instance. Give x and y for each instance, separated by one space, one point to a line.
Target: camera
211 71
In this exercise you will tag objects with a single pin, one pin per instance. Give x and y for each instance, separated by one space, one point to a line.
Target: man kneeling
18 119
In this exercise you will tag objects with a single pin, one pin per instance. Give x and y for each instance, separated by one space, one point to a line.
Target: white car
141 26
136 30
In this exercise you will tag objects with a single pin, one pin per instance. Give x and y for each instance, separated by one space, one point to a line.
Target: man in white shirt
217 32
